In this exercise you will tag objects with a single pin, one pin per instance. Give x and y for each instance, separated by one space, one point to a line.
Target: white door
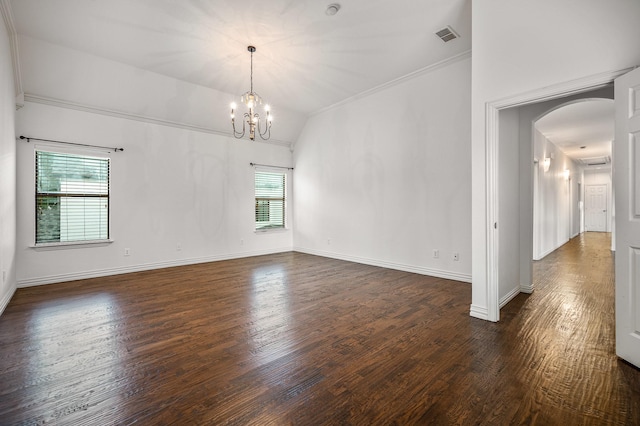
596 208
626 157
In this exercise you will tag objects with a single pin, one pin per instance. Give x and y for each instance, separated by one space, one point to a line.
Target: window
72 198
270 202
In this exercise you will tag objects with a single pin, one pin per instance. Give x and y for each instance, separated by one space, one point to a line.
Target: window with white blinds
72 198
270 201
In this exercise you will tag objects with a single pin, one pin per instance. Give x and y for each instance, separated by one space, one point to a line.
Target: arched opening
528 165
572 185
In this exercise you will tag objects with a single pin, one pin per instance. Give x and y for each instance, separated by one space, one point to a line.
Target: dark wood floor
298 339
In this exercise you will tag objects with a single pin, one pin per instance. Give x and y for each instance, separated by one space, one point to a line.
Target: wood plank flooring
298 339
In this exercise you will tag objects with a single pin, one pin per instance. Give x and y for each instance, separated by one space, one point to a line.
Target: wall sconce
567 174
546 163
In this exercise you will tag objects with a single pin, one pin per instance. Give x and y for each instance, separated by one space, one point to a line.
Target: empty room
317 213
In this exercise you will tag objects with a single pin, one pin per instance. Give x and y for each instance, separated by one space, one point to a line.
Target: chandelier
251 118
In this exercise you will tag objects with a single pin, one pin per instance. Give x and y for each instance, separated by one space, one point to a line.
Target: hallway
566 330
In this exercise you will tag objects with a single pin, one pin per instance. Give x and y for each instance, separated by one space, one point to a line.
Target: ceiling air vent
447 34
596 161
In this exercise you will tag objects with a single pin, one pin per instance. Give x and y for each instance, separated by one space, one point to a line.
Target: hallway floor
564 337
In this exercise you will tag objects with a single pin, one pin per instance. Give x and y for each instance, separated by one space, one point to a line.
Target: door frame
491 172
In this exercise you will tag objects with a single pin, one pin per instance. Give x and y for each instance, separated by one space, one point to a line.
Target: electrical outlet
328 241
456 256
178 247
241 242
436 253
127 252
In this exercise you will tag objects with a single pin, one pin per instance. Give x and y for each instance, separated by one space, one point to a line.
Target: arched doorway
516 162
572 183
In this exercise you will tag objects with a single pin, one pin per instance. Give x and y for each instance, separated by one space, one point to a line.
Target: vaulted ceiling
306 60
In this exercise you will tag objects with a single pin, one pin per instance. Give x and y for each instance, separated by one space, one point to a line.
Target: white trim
551 250
438 273
572 87
526 288
546 253
6 299
69 245
271 230
51 279
491 151
430 68
479 312
136 117
7 15
509 296
493 236
63 148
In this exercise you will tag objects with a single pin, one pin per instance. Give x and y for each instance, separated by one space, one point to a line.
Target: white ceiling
305 60
587 123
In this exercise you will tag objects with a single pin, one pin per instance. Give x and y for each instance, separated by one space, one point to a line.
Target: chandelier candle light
252 118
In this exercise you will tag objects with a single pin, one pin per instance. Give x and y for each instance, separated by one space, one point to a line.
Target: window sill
270 230
70 245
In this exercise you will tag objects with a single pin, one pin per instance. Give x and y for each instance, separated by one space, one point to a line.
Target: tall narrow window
270 201
72 198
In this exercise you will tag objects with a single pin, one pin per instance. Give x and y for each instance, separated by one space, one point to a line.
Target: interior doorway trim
491 174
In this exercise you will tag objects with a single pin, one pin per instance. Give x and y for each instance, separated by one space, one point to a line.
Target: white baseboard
6 299
551 250
480 312
81 275
456 276
546 253
509 296
526 288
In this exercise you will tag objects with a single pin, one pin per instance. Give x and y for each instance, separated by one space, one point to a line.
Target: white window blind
270 200
72 198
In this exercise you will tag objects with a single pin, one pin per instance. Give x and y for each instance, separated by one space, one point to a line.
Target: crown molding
415 74
572 87
7 16
136 117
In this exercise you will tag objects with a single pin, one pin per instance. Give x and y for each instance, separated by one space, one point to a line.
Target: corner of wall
9 88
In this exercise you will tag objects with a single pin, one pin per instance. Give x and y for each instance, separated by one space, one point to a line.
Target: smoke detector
332 9
447 34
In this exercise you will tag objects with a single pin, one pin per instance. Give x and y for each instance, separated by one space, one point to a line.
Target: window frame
285 198
100 155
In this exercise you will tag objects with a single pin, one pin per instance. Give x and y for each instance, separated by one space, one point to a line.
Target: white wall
509 206
385 179
528 45
7 172
170 186
555 199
